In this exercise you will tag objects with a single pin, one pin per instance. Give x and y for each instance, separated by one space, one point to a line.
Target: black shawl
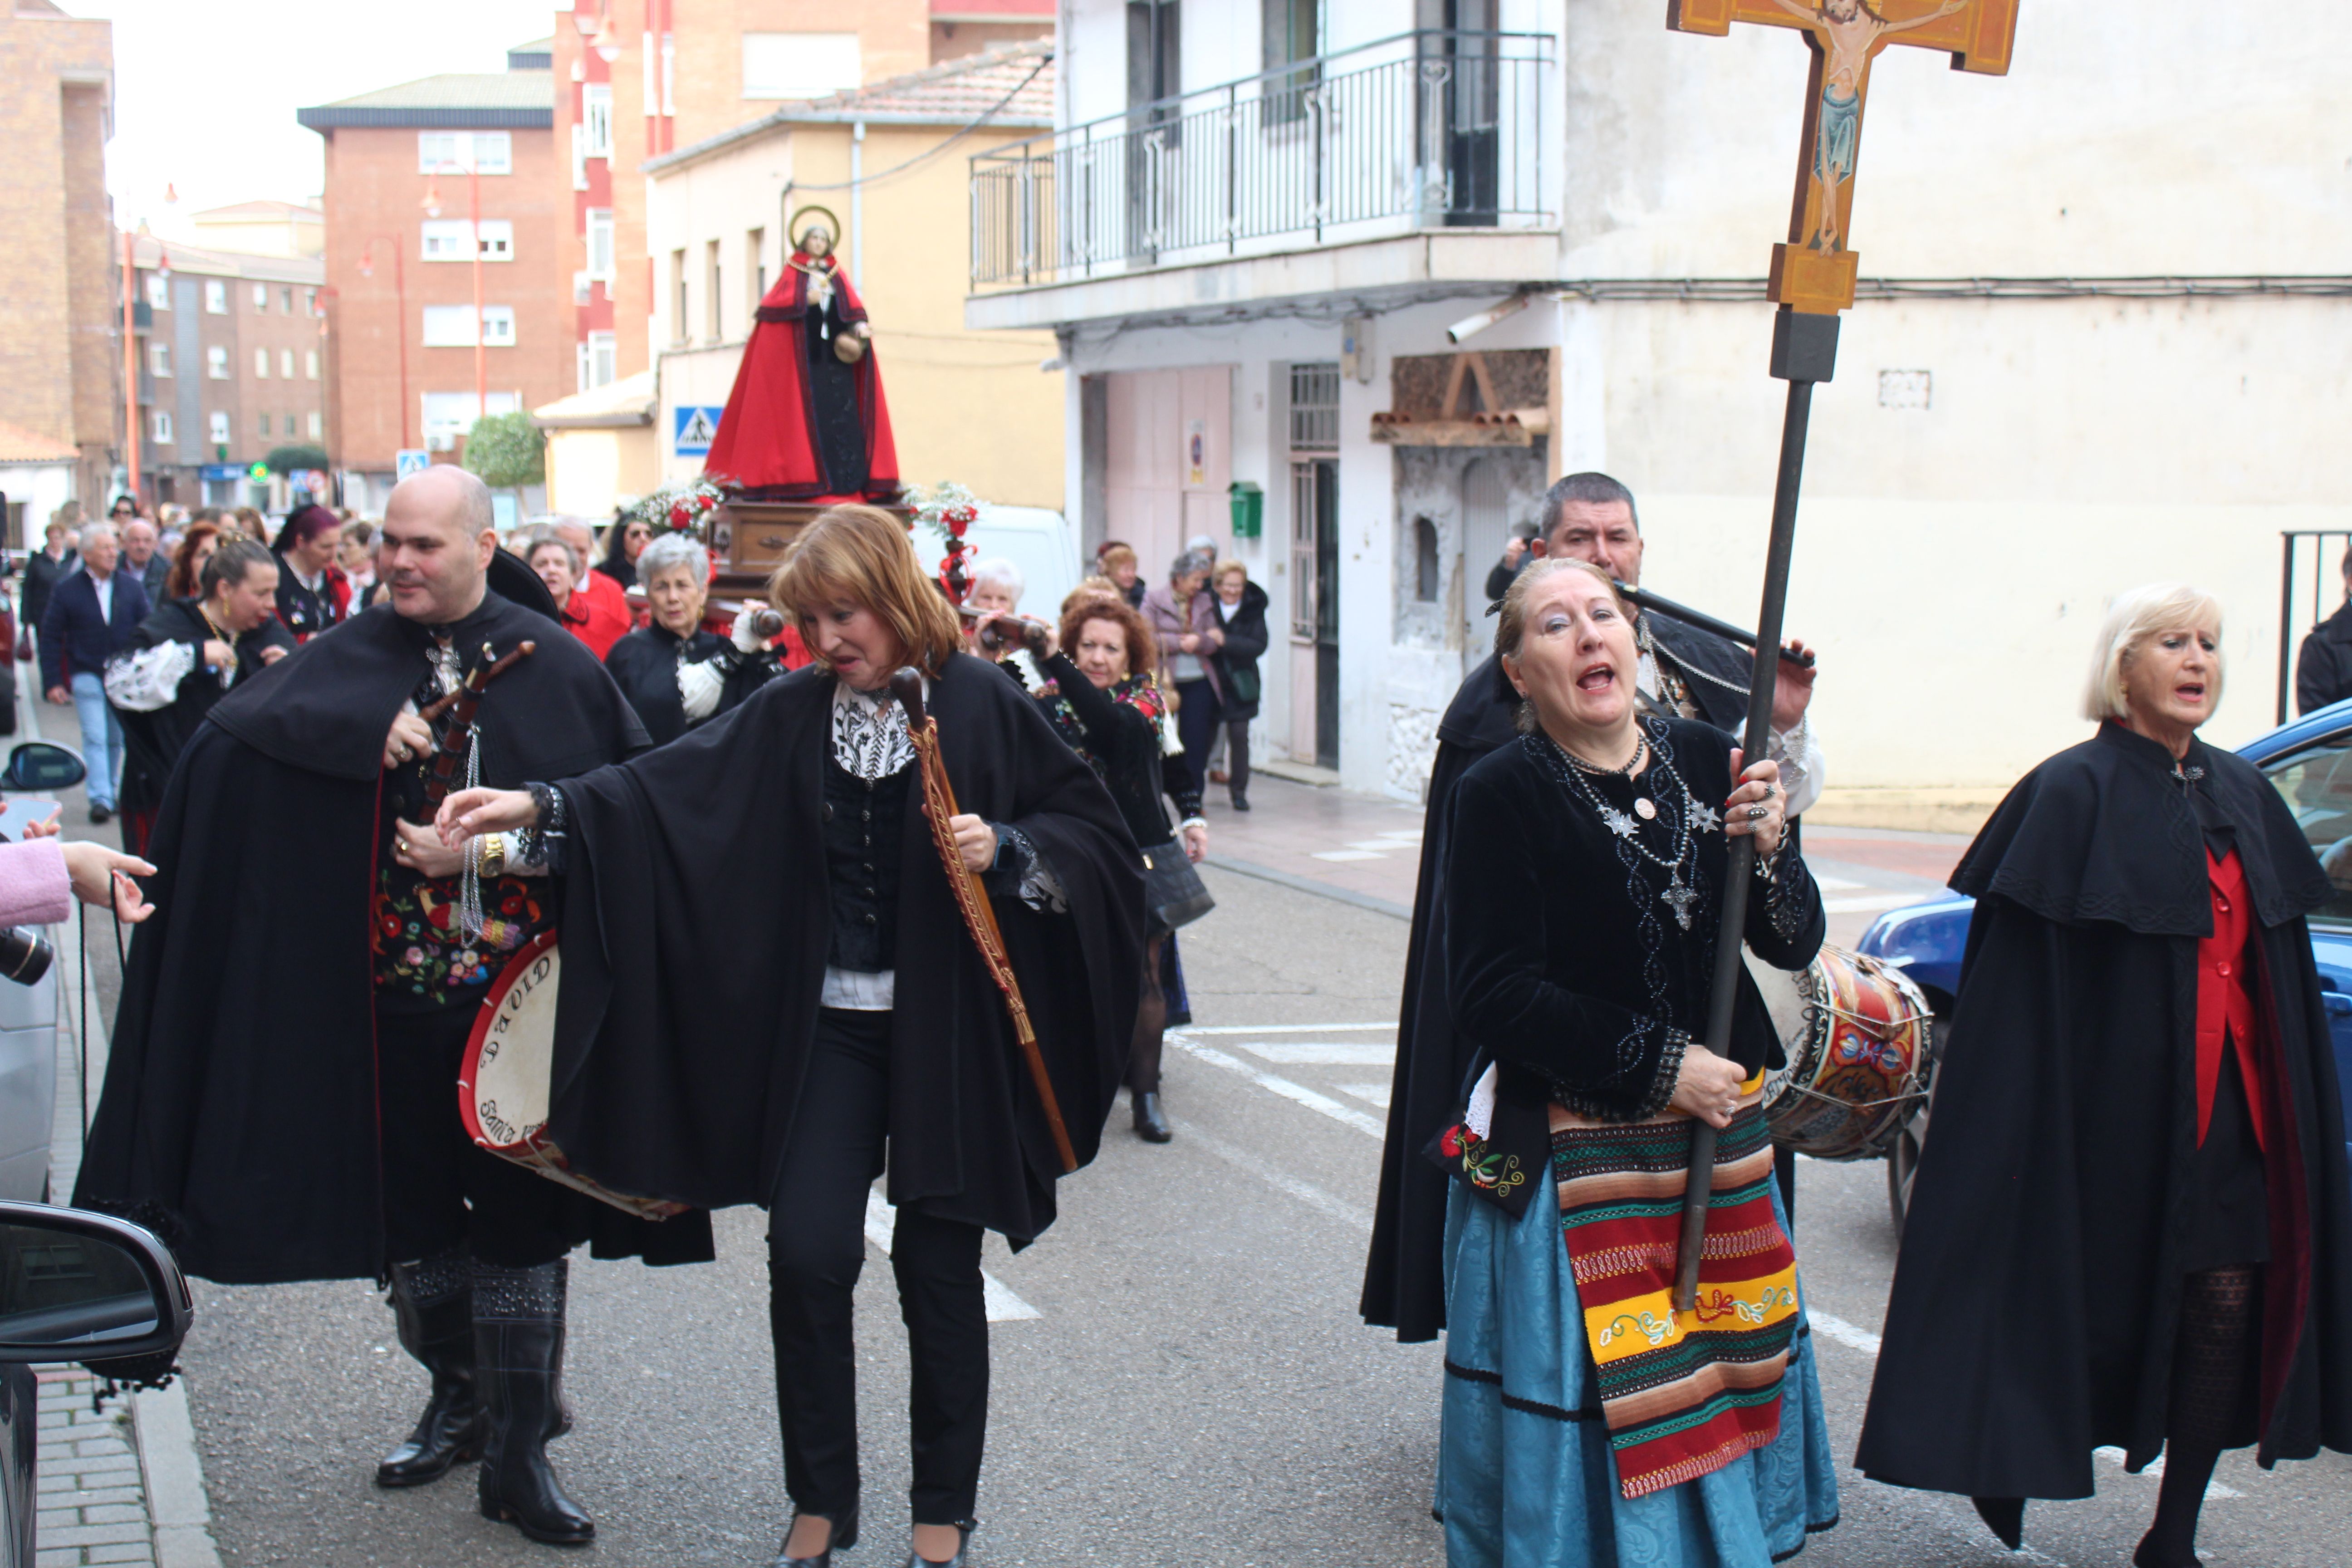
2038 1289
1404 1287
697 915
644 664
239 1106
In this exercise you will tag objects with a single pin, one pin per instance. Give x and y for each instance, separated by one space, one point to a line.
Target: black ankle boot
519 1363
432 1306
1150 1122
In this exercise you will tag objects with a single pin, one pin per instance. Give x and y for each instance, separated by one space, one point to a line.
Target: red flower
1450 1144
391 924
678 516
509 906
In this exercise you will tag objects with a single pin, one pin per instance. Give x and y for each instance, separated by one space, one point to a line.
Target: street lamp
400 297
474 215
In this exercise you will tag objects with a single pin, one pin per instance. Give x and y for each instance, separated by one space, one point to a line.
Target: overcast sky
205 90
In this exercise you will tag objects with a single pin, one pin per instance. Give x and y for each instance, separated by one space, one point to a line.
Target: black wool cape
643 665
697 923
152 741
239 1107
2037 1293
1404 1279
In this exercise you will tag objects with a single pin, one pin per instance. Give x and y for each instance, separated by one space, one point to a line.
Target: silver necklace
1678 894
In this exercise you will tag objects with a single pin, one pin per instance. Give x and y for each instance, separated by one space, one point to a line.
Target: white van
1039 541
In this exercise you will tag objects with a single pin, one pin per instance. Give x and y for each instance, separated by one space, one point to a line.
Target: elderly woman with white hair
674 673
2133 1227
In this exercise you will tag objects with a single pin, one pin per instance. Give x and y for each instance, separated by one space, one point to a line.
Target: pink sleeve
33 887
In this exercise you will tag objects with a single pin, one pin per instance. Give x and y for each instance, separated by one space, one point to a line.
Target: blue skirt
1525 1475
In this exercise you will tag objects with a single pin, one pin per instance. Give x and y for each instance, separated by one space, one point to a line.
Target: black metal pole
1804 351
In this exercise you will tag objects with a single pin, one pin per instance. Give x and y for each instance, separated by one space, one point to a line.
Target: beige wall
964 405
589 471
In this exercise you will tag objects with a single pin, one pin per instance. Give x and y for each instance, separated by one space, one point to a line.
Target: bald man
282 1096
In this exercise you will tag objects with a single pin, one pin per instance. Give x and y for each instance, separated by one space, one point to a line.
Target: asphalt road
1193 1385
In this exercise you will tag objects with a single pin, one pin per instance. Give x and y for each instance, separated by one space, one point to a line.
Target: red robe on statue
800 424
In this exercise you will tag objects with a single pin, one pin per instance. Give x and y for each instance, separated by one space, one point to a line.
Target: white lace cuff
699 685
143 681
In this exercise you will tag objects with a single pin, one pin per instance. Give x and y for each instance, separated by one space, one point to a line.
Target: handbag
1173 893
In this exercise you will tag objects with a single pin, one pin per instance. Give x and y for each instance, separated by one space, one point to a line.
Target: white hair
90 532
674 550
2132 619
1002 571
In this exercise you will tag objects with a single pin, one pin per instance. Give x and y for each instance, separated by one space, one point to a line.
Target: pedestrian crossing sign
692 427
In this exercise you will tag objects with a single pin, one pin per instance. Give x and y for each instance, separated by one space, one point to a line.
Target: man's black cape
2038 1289
239 1109
152 741
697 921
1404 1282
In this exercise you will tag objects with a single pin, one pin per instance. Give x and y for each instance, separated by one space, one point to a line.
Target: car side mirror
42 765
77 1285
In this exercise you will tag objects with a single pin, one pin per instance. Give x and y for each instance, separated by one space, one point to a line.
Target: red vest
2225 996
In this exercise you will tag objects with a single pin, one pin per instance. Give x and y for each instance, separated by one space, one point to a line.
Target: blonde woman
2130 1226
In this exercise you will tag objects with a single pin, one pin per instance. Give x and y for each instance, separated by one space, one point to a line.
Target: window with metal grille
1315 407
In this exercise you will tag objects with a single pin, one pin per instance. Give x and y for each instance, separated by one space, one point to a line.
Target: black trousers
817 1249
1196 726
1237 756
442 1192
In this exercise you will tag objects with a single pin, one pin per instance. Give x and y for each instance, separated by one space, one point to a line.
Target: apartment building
60 342
1265 230
407 170
263 228
638 80
232 356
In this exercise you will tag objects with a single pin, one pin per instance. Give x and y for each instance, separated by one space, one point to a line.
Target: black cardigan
1245 642
1562 963
1123 742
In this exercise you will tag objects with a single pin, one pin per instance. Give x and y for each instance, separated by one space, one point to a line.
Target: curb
177 1508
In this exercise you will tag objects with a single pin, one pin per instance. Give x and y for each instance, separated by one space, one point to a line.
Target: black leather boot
433 1305
518 1362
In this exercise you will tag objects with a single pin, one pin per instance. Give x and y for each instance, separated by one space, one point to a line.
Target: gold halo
833 223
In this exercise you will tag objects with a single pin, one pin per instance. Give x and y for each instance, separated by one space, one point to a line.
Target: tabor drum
1855 1031
502 1089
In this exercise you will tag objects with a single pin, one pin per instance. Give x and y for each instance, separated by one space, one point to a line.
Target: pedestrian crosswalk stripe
1300 1093
1004 1306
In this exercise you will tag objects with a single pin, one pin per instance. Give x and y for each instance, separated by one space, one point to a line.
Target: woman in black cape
723 1041
676 675
2132 1226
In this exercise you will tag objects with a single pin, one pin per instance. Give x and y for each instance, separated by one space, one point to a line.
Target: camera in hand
24 955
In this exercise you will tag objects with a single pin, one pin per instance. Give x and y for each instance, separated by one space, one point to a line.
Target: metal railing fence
1438 129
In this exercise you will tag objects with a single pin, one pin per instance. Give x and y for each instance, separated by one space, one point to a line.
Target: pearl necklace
1679 894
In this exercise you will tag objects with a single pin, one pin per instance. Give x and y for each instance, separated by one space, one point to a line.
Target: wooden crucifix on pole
1812 279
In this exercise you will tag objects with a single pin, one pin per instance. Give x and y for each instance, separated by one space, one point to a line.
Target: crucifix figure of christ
1815 271
1813 280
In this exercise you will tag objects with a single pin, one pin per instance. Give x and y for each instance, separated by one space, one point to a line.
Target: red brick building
402 166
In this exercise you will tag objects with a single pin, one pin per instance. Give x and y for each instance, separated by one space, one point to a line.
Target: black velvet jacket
1566 967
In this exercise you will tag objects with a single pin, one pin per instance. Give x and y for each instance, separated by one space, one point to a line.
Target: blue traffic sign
692 427
410 460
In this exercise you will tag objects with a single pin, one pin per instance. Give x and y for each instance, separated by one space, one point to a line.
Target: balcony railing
1428 130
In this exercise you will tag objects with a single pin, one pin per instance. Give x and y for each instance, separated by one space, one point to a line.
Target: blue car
2309 762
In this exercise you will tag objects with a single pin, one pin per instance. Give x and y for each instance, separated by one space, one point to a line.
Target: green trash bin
1249 508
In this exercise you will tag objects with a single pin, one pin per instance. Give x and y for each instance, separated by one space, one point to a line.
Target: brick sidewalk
92 1503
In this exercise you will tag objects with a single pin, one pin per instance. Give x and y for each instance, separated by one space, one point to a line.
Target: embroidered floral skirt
1525 1475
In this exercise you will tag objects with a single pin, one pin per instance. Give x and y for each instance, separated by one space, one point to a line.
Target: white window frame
261 364
261 298
579 159
159 359
309 364
603 355
452 326
444 239
158 291
317 425
217 363
219 426
483 151
163 428
261 421
596 118
285 364
216 297
599 235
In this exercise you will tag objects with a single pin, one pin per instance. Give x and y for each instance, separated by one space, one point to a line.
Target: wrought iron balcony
1426 130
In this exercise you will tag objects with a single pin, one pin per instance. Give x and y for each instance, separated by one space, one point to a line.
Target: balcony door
1462 107
1153 51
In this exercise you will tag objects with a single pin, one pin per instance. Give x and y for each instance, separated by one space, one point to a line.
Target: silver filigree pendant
1618 822
1679 897
1704 818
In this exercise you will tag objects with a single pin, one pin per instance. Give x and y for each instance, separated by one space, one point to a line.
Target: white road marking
1866 1341
1307 1192
1834 884
1873 901
1322 1053
1306 1097
1348 854
1369 1093
1004 1306
1285 1028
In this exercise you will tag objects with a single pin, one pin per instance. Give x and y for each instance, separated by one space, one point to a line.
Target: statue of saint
806 419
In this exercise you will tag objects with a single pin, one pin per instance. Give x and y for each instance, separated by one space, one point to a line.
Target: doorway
1485 529
1315 600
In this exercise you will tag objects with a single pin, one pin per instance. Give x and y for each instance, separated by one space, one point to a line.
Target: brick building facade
400 278
60 342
